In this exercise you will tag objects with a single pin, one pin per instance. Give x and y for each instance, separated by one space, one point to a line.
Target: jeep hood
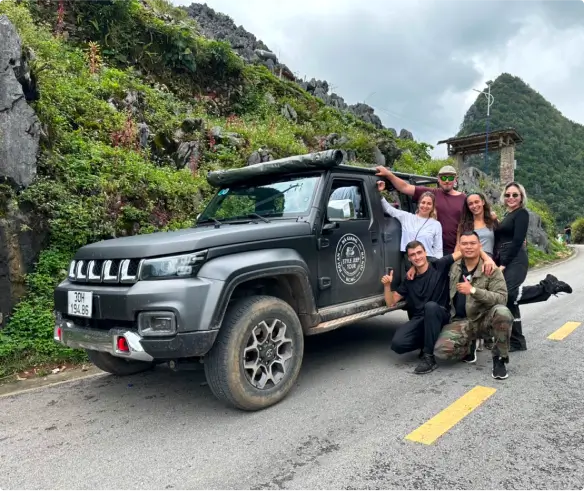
192 239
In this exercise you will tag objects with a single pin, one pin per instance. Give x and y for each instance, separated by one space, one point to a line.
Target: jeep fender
234 269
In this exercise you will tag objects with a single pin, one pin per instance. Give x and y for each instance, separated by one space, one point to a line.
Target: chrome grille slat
106 276
110 271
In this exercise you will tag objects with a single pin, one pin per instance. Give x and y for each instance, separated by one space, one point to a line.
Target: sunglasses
447 178
512 195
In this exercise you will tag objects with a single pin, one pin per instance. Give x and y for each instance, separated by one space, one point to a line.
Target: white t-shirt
428 231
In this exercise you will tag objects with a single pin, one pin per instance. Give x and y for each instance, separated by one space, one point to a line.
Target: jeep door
350 252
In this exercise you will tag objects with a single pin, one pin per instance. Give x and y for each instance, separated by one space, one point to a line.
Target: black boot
427 364
554 286
471 357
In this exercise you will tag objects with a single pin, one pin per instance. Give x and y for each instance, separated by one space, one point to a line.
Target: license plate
80 303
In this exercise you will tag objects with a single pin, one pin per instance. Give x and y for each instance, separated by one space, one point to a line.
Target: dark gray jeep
285 249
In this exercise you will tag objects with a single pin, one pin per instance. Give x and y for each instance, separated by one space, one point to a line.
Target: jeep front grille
108 271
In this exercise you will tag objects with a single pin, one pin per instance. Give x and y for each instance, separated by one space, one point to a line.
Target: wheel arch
281 273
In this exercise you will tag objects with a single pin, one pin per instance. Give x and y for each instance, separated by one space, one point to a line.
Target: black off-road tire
116 365
224 364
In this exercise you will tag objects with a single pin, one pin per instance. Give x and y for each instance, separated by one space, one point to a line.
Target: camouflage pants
455 339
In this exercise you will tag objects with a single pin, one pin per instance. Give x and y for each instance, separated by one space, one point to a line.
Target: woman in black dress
512 258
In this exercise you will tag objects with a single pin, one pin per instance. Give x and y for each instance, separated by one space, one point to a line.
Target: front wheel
257 355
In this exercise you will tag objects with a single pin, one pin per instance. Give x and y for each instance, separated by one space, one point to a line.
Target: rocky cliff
216 25
22 236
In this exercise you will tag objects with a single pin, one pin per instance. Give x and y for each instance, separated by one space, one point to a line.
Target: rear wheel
257 355
116 365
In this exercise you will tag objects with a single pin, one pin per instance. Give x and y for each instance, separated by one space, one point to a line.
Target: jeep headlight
169 267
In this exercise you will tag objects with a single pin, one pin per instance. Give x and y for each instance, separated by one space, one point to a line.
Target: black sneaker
499 368
427 364
514 348
472 355
555 286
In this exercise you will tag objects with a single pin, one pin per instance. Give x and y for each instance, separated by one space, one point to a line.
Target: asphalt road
343 426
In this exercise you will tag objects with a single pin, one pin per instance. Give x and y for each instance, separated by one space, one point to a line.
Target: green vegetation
578 231
550 161
105 68
106 71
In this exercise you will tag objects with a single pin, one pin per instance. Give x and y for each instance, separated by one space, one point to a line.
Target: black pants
518 294
421 331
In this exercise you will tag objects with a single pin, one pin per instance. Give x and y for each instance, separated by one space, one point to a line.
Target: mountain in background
550 161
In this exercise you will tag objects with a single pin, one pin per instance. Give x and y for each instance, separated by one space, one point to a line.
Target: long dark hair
466 223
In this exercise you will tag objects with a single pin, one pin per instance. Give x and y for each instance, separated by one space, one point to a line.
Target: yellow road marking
432 429
564 331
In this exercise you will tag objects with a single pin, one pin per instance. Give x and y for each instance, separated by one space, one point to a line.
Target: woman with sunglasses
512 258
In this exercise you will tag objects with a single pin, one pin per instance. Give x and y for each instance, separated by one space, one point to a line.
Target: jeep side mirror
340 210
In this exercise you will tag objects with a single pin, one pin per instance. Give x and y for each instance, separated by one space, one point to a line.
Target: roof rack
297 163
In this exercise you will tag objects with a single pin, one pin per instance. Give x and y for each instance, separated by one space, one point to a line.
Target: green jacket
490 291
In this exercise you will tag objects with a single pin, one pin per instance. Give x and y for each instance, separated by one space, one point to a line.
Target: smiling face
512 197
417 256
470 246
425 206
476 205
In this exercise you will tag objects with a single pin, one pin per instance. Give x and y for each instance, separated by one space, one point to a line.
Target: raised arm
391 297
398 183
392 211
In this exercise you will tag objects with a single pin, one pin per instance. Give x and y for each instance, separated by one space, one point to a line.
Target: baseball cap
447 169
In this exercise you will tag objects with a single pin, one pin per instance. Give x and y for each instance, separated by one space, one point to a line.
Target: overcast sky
417 61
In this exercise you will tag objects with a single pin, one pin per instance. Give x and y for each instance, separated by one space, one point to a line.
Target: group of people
465 283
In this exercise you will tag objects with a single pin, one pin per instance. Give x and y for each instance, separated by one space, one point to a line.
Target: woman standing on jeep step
422 226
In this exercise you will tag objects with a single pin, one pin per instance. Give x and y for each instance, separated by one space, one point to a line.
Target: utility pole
490 100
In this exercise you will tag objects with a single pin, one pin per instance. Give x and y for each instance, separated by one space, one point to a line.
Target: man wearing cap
449 202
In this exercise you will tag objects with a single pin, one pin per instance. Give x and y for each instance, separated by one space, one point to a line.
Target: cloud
417 61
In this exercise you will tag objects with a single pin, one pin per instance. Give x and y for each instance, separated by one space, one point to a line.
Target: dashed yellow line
434 428
564 331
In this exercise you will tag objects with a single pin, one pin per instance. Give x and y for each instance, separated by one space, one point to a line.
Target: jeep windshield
286 197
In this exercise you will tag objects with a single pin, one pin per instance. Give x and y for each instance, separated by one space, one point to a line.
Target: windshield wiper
211 219
256 215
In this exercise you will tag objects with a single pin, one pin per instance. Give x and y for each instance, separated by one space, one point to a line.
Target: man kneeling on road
427 298
478 310
426 295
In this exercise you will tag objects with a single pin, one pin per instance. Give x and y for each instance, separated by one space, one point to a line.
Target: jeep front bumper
127 343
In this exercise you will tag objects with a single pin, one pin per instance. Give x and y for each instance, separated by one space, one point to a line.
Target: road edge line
52 384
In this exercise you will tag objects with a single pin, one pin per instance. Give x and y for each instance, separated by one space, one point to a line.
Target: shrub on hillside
578 231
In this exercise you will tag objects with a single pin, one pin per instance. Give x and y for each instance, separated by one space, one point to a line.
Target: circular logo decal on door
350 259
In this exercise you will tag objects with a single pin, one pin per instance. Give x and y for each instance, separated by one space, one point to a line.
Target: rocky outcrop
22 236
216 25
20 128
536 234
